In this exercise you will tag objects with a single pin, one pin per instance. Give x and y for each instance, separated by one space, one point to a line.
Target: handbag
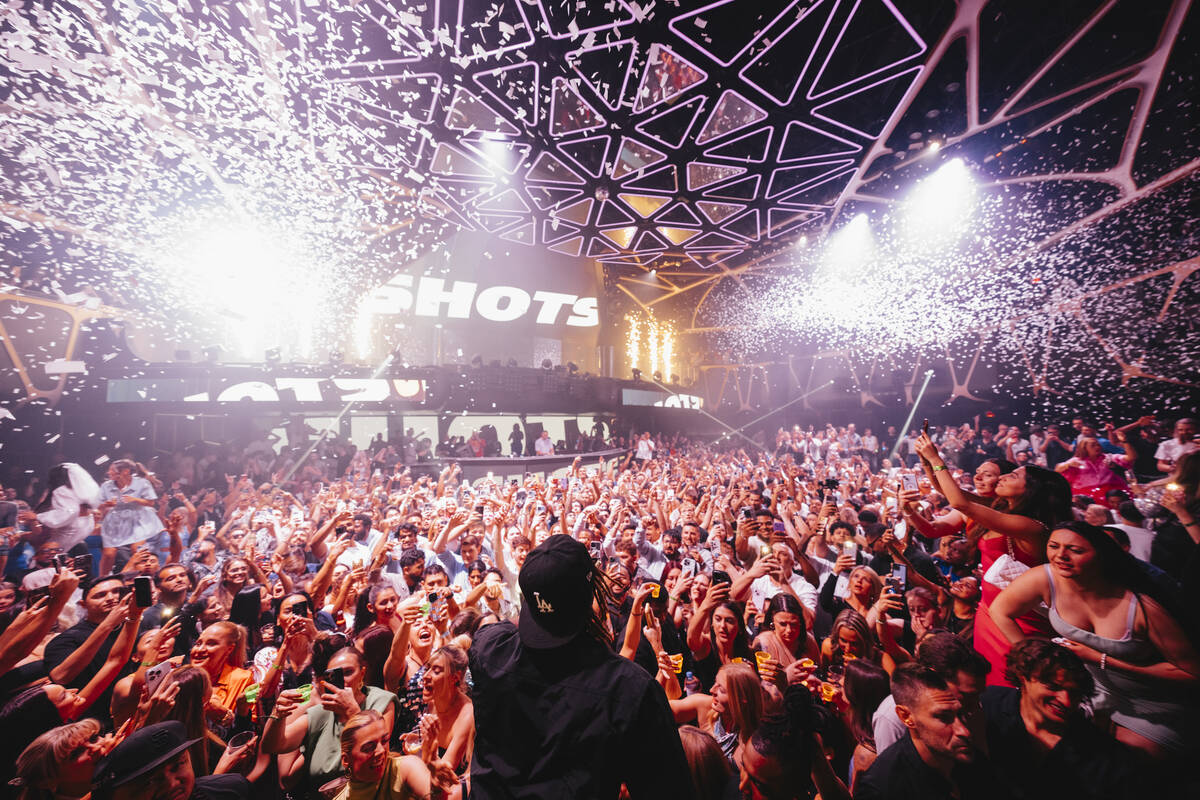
1005 569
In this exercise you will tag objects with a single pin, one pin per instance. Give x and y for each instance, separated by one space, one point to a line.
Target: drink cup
677 661
761 658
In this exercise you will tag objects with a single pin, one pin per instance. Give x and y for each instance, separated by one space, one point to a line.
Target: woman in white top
66 511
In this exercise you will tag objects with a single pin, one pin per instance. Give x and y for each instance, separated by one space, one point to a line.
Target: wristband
940 468
1104 661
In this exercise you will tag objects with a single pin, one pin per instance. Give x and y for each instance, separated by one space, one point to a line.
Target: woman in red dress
1030 500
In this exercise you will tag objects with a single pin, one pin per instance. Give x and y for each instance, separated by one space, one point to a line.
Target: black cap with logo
556 581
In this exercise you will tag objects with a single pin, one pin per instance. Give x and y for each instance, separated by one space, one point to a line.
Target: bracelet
940 468
146 664
1187 524
1104 661
277 667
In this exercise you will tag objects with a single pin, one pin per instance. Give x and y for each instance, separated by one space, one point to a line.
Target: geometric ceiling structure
697 139
543 108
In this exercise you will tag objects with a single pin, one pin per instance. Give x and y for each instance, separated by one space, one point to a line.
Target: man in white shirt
763 581
1141 539
645 447
365 538
542 446
1171 450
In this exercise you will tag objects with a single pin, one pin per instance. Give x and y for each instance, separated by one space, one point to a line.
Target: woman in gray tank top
1146 671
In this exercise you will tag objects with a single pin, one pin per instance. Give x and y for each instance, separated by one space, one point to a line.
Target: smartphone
898 579
336 677
83 564
478 509
689 567
33 595
850 548
156 674
909 482
925 427
143 591
747 513
300 609
720 576
61 561
246 607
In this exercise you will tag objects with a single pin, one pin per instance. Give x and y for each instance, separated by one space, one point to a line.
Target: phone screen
143 591
336 677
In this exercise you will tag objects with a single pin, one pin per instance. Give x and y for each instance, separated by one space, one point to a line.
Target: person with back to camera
557 712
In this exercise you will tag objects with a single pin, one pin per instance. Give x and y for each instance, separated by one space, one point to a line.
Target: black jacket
575 722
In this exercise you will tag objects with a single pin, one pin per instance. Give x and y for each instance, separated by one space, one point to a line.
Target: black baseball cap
556 581
142 752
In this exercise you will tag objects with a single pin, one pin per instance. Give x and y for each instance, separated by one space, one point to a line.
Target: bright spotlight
939 208
852 246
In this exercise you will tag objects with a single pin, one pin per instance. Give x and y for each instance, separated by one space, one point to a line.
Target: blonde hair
353 725
745 698
876 582
706 763
237 633
38 765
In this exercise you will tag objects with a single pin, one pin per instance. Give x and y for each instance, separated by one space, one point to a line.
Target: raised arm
1028 530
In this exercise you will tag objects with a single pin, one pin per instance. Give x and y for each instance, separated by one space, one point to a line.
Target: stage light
211 354
547 364
850 247
939 208
657 376
273 356
637 374
934 146
335 357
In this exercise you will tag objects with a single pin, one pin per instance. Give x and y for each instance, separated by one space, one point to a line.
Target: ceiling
656 134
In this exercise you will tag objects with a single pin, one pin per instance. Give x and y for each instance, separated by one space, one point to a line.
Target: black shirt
1086 763
62 646
900 774
574 722
221 787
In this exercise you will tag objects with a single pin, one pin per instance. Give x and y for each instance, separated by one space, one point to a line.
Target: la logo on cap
542 606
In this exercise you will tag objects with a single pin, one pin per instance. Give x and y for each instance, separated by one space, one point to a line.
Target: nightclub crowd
957 612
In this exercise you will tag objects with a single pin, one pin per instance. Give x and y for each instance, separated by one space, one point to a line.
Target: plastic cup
654 591
808 663
761 658
827 692
251 694
305 692
676 661
240 740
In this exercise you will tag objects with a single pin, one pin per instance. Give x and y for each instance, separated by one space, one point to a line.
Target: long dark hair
741 641
1116 566
786 603
866 685
1047 497
58 476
